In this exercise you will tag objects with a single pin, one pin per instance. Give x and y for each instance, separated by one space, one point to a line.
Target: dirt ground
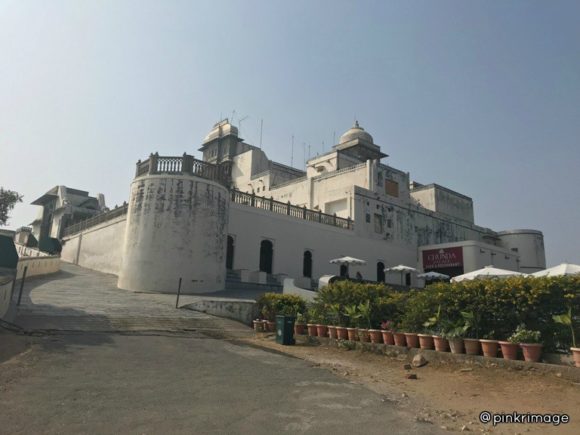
451 396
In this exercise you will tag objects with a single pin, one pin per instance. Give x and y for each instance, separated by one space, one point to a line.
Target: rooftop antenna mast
334 137
261 128
240 124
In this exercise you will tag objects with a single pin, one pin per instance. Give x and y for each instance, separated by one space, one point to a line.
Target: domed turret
356 132
221 129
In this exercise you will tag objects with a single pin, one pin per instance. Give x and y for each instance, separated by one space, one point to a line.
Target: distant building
61 207
237 216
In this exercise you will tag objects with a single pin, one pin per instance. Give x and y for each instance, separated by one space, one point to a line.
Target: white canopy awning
401 268
559 270
432 275
348 260
486 272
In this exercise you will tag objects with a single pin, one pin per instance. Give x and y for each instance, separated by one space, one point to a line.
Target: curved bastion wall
176 228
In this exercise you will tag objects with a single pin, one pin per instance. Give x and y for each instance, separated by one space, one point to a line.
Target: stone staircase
234 282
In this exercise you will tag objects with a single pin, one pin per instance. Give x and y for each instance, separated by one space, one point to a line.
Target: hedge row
496 307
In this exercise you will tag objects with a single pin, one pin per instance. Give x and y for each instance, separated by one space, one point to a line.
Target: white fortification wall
291 237
176 228
99 247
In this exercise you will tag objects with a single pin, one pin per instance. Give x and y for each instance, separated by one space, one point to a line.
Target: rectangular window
368 218
378 223
389 223
392 188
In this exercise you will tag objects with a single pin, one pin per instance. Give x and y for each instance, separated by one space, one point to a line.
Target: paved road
78 299
135 384
154 369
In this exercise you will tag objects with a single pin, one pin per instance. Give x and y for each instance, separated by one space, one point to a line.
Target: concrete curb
446 358
243 311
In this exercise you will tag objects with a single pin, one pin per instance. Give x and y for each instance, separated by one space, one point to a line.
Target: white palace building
238 217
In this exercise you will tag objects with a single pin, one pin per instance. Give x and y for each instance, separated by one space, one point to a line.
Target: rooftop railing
288 209
186 164
95 220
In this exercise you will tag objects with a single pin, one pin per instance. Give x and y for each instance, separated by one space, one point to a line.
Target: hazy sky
481 97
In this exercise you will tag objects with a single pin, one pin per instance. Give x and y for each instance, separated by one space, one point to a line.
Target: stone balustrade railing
185 164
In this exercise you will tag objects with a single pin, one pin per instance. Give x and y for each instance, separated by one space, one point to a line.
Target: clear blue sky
482 97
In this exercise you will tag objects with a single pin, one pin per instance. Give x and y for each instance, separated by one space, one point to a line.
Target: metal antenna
308 151
240 124
304 152
334 137
261 128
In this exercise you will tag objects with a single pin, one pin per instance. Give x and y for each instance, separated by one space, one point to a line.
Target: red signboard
442 258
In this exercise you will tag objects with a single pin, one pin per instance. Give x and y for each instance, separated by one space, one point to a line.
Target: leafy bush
523 335
383 303
498 306
272 304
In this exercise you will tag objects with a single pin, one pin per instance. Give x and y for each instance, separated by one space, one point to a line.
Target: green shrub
272 304
523 335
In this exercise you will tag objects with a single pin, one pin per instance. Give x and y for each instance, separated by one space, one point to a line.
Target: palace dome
356 132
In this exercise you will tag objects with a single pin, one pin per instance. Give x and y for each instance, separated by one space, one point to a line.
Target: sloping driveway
79 299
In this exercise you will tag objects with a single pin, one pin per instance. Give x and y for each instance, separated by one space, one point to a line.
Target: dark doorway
266 255
343 270
230 253
407 279
380 272
307 264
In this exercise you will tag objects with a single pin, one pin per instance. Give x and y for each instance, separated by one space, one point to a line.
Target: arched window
380 272
266 256
230 253
307 264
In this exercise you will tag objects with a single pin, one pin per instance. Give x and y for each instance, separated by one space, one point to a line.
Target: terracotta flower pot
352 335
509 350
322 330
312 330
341 333
456 345
400 339
425 341
271 326
299 329
363 335
576 355
489 347
532 351
472 346
376 336
441 343
332 331
412 339
388 337
258 326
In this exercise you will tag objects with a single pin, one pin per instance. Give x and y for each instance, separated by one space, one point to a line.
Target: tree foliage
8 199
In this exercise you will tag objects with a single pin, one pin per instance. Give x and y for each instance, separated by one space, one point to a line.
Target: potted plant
489 345
300 324
454 334
258 325
426 340
472 321
441 344
412 339
510 347
333 319
567 319
364 321
399 337
351 311
387 331
529 342
311 325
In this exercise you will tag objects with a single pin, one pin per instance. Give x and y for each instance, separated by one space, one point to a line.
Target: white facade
277 221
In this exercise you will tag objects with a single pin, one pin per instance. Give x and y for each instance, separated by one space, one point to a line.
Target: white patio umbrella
429 276
559 270
402 269
347 261
486 272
